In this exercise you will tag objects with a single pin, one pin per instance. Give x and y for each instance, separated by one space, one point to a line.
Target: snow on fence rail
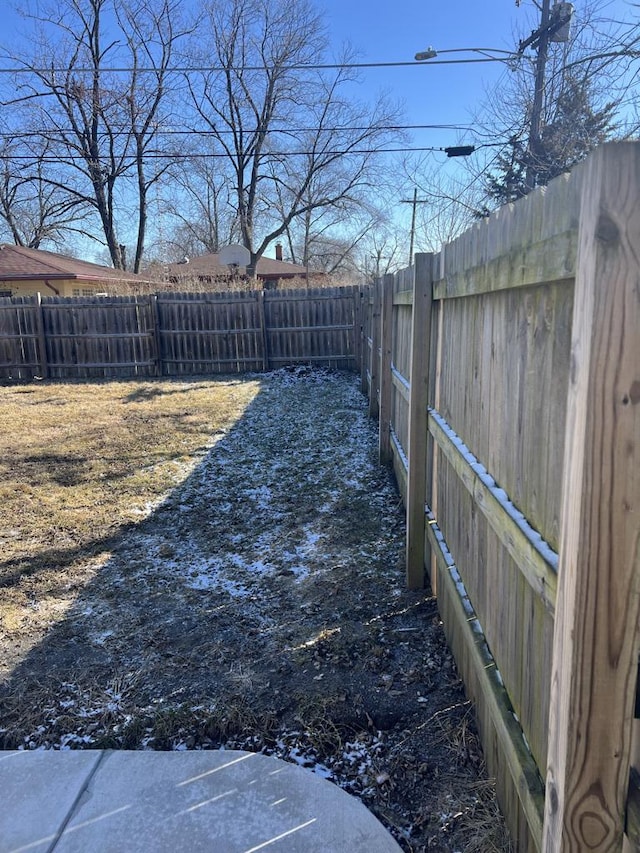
177 334
505 373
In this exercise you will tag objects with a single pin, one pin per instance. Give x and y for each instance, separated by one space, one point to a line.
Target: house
208 268
25 272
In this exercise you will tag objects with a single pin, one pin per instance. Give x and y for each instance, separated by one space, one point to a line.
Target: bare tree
326 238
590 93
201 207
447 200
100 123
292 139
33 210
382 250
151 32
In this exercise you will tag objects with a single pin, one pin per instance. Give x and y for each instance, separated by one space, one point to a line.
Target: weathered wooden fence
178 334
505 372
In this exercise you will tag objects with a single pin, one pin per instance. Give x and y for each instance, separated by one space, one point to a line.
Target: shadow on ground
262 606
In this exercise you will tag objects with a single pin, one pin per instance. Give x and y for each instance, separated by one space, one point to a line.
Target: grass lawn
79 462
190 565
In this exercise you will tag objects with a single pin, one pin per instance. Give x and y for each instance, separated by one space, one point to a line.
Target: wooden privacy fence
505 372
178 334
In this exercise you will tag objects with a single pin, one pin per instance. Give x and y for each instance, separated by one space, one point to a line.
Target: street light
429 53
487 52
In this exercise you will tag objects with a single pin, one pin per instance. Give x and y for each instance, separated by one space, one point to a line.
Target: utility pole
414 202
413 223
554 26
538 93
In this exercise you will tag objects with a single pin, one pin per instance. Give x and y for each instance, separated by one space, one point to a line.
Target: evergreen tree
575 128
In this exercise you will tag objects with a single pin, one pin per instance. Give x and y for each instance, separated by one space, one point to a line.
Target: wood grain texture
386 344
488 692
374 366
509 338
178 334
417 443
598 605
535 567
519 245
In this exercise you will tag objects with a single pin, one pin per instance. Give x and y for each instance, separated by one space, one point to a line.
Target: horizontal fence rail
178 334
505 375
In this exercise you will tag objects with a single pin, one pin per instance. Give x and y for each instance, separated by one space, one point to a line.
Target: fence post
364 337
418 402
375 347
155 319
386 343
263 329
357 327
595 648
42 340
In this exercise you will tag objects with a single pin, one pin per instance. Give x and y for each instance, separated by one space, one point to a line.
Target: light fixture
429 53
486 52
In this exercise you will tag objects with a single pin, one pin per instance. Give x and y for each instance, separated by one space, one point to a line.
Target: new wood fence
505 372
178 334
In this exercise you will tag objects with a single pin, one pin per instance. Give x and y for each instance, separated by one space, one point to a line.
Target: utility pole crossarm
554 24
415 201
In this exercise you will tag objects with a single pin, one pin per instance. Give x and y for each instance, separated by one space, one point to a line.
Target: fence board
177 334
20 347
317 326
597 623
535 559
502 357
420 370
386 362
464 634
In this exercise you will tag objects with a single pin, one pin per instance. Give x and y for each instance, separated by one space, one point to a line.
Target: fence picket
596 634
509 339
176 334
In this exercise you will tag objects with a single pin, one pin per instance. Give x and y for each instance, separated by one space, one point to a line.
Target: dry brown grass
261 607
80 462
157 281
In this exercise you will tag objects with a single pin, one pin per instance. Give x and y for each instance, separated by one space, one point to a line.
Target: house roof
210 266
18 263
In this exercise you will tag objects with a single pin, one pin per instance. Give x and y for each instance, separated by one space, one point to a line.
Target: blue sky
447 94
395 31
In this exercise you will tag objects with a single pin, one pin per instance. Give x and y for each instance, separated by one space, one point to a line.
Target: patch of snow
535 539
261 495
100 639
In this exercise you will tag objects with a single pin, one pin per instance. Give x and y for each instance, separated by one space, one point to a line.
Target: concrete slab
214 801
39 791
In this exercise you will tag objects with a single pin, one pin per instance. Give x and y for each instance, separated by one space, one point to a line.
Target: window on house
5 293
83 291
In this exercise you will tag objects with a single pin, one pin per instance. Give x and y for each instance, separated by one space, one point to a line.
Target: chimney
278 251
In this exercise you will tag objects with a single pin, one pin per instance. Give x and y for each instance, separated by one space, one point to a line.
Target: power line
195 132
273 155
453 201
206 69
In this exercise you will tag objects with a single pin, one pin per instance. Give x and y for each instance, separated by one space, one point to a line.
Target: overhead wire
194 131
452 201
323 66
275 155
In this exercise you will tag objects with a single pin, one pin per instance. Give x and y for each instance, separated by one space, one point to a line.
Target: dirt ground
261 605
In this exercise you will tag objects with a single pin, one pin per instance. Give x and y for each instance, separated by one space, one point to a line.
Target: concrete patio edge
226 801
